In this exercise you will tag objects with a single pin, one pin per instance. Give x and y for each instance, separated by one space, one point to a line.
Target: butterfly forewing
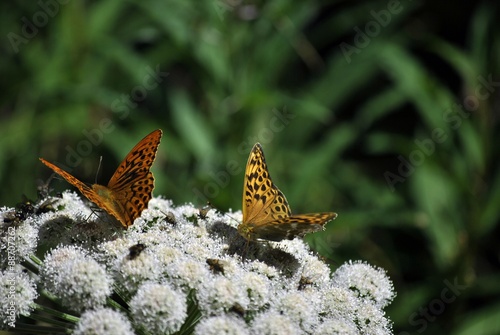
137 163
132 182
262 200
266 213
82 187
89 192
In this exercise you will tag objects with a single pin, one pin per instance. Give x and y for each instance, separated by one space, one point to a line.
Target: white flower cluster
103 321
177 269
75 278
17 293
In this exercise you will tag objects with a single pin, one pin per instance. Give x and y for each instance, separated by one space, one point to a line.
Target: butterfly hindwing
134 198
293 226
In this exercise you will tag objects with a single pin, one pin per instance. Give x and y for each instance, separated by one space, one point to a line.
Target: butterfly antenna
98 168
229 216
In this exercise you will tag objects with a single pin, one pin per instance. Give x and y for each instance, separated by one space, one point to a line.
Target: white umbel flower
316 271
301 308
257 288
187 273
372 321
180 257
220 294
16 241
366 281
273 323
103 321
77 279
159 308
337 327
110 251
17 293
221 325
264 269
132 273
338 303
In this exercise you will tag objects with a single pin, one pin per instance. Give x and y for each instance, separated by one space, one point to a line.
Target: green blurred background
356 103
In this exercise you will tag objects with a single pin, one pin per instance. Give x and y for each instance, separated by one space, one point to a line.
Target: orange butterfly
131 186
266 213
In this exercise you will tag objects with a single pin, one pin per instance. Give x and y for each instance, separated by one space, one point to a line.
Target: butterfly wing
293 226
266 213
263 202
132 183
86 190
130 188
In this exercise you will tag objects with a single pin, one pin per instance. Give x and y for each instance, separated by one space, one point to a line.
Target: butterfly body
131 186
112 205
266 213
103 192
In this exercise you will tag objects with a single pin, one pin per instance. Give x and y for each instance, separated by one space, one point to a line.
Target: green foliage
331 125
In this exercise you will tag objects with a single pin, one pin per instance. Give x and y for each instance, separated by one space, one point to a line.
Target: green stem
58 314
32 264
193 316
34 329
38 317
116 305
36 260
